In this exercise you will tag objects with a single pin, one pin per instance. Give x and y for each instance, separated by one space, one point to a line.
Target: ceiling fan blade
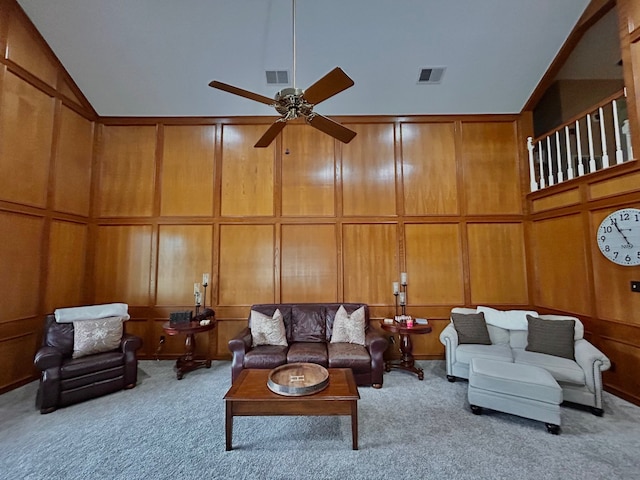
333 82
243 93
271 133
330 127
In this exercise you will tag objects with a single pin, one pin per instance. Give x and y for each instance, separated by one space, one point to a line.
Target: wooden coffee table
249 396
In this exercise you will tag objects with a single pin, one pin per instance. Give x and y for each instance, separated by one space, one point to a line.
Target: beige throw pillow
96 336
348 328
267 330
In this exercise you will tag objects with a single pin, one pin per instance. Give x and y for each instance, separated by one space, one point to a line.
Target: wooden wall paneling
184 254
623 379
561 276
247 172
122 264
66 259
127 171
226 331
247 263
17 358
368 171
370 262
20 257
629 25
614 298
561 199
490 164
309 263
429 168
188 170
26 48
74 158
434 264
308 172
497 263
26 129
615 186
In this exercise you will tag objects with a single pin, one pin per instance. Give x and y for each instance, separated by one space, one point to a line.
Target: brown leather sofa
308 328
65 380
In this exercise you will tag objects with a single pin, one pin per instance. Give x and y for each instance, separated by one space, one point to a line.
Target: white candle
403 298
403 278
205 279
396 288
198 298
196 289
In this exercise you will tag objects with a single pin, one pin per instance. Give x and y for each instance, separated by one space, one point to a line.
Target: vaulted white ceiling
156 57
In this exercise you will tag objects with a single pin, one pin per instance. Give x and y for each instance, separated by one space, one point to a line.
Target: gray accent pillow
553 337
471 328
96 336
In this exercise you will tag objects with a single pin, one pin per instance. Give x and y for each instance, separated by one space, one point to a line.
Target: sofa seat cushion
266 356
94 363
562 369
349 355
464 353
310 352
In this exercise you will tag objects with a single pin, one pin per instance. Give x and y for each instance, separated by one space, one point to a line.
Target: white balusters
541 163
592 157
559 158
549 161
569 159
579 146
551 153
603 139
616 131
532 170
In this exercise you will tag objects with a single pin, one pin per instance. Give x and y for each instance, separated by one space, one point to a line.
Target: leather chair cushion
91 378
266 356
349 355
309 324
59 336
311 352
93 363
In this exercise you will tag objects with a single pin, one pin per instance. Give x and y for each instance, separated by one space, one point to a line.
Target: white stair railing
551 158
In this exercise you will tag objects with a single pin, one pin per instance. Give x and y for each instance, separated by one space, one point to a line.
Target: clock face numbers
619 237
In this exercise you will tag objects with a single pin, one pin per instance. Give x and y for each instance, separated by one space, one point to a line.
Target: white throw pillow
509 319
267 330
348 328
96 336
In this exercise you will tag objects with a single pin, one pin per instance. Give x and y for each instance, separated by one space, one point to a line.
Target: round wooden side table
407 361
187 362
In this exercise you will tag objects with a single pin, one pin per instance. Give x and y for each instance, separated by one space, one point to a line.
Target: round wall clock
619 237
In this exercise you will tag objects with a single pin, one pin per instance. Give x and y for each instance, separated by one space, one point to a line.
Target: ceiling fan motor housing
291 103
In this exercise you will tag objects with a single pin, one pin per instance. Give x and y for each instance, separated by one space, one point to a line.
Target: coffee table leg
354 425
228 425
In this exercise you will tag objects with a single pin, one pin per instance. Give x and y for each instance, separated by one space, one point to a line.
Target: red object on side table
407 361
187 362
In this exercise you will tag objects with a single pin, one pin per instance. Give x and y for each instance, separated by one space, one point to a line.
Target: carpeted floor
170 429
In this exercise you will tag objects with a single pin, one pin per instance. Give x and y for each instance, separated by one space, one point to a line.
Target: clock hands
623 235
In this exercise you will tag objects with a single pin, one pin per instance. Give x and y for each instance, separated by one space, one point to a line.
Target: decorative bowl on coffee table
297 379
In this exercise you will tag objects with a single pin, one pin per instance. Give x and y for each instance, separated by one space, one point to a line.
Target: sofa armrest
449 338
592 361
47 357
130 343
239 345
375 342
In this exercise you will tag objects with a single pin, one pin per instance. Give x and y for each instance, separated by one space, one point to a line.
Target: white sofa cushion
510 319
464 353
562 369
498 336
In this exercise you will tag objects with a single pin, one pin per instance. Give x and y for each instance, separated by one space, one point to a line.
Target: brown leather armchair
65 380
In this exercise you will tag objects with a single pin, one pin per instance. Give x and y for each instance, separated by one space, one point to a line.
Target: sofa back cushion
308 323
58 335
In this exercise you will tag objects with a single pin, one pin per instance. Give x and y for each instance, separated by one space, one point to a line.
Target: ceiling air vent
277 77
431 75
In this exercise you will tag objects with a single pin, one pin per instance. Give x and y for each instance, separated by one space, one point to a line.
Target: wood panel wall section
571 276
46 150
